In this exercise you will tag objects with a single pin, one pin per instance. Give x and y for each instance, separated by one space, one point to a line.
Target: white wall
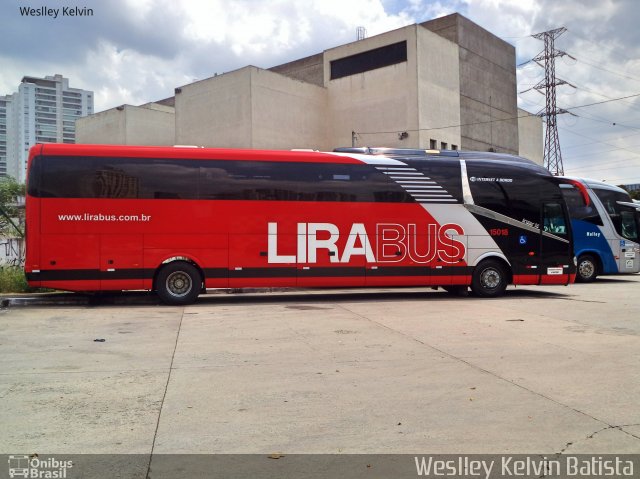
438 89
216 112
251 108
128 125
530 134
377 104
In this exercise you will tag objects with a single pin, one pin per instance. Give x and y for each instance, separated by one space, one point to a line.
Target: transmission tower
547 60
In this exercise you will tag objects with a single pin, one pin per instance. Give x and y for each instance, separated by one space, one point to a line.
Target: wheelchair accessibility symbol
523 239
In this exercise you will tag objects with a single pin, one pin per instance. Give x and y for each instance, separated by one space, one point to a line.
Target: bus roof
181 152
417 154
591 183
348 155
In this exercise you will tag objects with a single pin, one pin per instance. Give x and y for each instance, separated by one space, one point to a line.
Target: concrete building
149 124
6 130
44 110
445 84
530 136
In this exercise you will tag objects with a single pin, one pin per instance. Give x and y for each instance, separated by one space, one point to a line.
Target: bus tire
178 283
489 279
587 270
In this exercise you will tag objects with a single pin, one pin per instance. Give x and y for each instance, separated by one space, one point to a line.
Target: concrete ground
540 370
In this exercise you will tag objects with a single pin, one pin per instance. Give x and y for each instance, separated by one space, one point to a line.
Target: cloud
136 51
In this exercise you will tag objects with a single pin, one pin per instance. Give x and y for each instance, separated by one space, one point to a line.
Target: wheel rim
586 269
179 283
490 278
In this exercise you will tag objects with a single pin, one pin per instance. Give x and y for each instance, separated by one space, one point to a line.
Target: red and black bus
179 220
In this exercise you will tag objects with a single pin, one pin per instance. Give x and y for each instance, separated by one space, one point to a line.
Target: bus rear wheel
178 283
489 279
587 269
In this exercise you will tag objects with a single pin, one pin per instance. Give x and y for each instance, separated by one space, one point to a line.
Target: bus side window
629 226
577 208
554 219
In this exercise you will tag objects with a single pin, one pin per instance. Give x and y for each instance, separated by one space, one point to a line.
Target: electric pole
547 60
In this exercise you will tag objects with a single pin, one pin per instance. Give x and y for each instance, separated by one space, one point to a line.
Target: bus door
629 243
121 262
555 258
624 236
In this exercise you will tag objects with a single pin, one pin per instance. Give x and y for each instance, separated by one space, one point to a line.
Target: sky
137 51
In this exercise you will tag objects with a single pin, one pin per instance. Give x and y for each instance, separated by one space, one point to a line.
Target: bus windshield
624 218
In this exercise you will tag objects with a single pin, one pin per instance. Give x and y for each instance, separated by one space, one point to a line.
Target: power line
603 142
599 168
604 101
630 105
458 125
596 141
606 70
599 46
528 115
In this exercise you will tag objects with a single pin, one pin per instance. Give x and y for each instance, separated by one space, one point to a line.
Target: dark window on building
443 145
433 144
369 60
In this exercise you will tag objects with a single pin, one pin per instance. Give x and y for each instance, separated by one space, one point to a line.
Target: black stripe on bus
89 274
419 271
283 272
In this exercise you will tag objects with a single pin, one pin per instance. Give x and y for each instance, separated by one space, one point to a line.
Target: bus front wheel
587 269
178 283
489 279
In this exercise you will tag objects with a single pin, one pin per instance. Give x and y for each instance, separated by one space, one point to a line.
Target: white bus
606 228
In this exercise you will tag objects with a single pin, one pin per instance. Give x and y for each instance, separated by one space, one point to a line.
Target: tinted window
511 191
624 218
486 190
553 219
118 178
248 180
577 207
445 173
526 194
140 178
80 177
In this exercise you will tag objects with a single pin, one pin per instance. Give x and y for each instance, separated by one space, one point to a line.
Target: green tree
11 213
635 194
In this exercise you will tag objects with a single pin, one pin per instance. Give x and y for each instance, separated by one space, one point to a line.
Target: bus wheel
489 279
587 269
178 283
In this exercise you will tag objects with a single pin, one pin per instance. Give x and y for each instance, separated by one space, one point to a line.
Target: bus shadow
136 299
613 280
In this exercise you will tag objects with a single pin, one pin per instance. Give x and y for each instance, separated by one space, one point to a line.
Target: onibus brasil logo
22 465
